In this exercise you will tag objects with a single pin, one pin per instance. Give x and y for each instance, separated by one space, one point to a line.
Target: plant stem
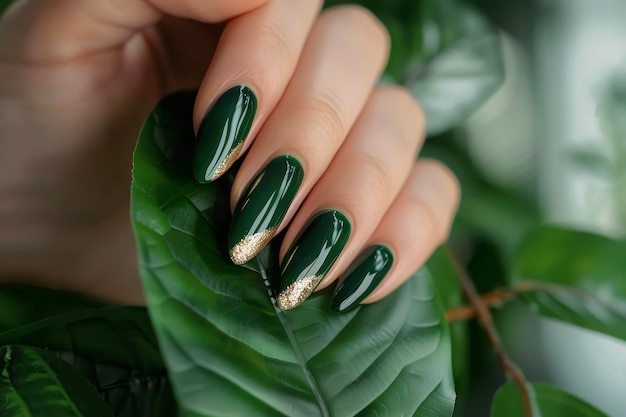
484 318
491 299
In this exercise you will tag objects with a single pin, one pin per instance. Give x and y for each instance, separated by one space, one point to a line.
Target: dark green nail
222 133
311 256
362 277
263 207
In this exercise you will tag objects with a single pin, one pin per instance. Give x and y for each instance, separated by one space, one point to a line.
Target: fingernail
362 277
263 207
311 256
222 133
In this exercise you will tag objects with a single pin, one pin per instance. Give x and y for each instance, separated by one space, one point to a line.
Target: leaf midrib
308 374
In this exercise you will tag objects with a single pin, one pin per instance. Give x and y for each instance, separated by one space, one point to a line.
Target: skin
78 77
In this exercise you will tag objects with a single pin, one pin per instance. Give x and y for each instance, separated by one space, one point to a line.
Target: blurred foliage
113 349
20 305
35 383
548 401
576 277
487 212
444 52
607 160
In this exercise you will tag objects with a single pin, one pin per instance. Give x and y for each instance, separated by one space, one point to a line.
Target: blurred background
549 146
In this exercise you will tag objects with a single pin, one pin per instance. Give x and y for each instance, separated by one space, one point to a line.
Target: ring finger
347 204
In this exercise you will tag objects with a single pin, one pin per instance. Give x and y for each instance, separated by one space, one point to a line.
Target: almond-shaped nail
222 133
311 257
362 277
263 206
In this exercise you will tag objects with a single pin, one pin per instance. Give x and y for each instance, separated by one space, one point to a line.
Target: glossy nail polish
263 206
311 256
362 277
222 133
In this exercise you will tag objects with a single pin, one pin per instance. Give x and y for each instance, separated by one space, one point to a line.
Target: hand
331 157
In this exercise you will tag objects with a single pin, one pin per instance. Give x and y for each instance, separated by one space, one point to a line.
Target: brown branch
484 318
491 299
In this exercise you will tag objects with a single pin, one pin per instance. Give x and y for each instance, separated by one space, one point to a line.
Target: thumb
48 31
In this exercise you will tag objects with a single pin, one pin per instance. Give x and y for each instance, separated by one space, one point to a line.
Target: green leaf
35 383
229 350
115 349
21 305
551 401
576 277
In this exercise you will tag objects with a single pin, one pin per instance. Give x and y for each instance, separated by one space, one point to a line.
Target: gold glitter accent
250 246
296 293
227 162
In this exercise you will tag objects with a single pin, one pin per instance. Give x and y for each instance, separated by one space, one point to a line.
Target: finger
52 30
250 70
341 62
187 48
418 221
348 202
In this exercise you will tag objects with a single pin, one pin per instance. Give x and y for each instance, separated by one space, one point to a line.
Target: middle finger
342 60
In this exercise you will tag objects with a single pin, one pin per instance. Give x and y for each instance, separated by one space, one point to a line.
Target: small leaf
551 402
228 348
35 383
115 349
576 277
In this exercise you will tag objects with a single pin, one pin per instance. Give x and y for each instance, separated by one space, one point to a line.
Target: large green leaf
115 348
445 52
35 383
576 277
229 349
551 402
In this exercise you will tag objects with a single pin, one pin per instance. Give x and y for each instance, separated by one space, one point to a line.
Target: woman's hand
331 156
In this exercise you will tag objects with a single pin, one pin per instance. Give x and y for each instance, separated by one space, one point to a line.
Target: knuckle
324 111
272 40
376 174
